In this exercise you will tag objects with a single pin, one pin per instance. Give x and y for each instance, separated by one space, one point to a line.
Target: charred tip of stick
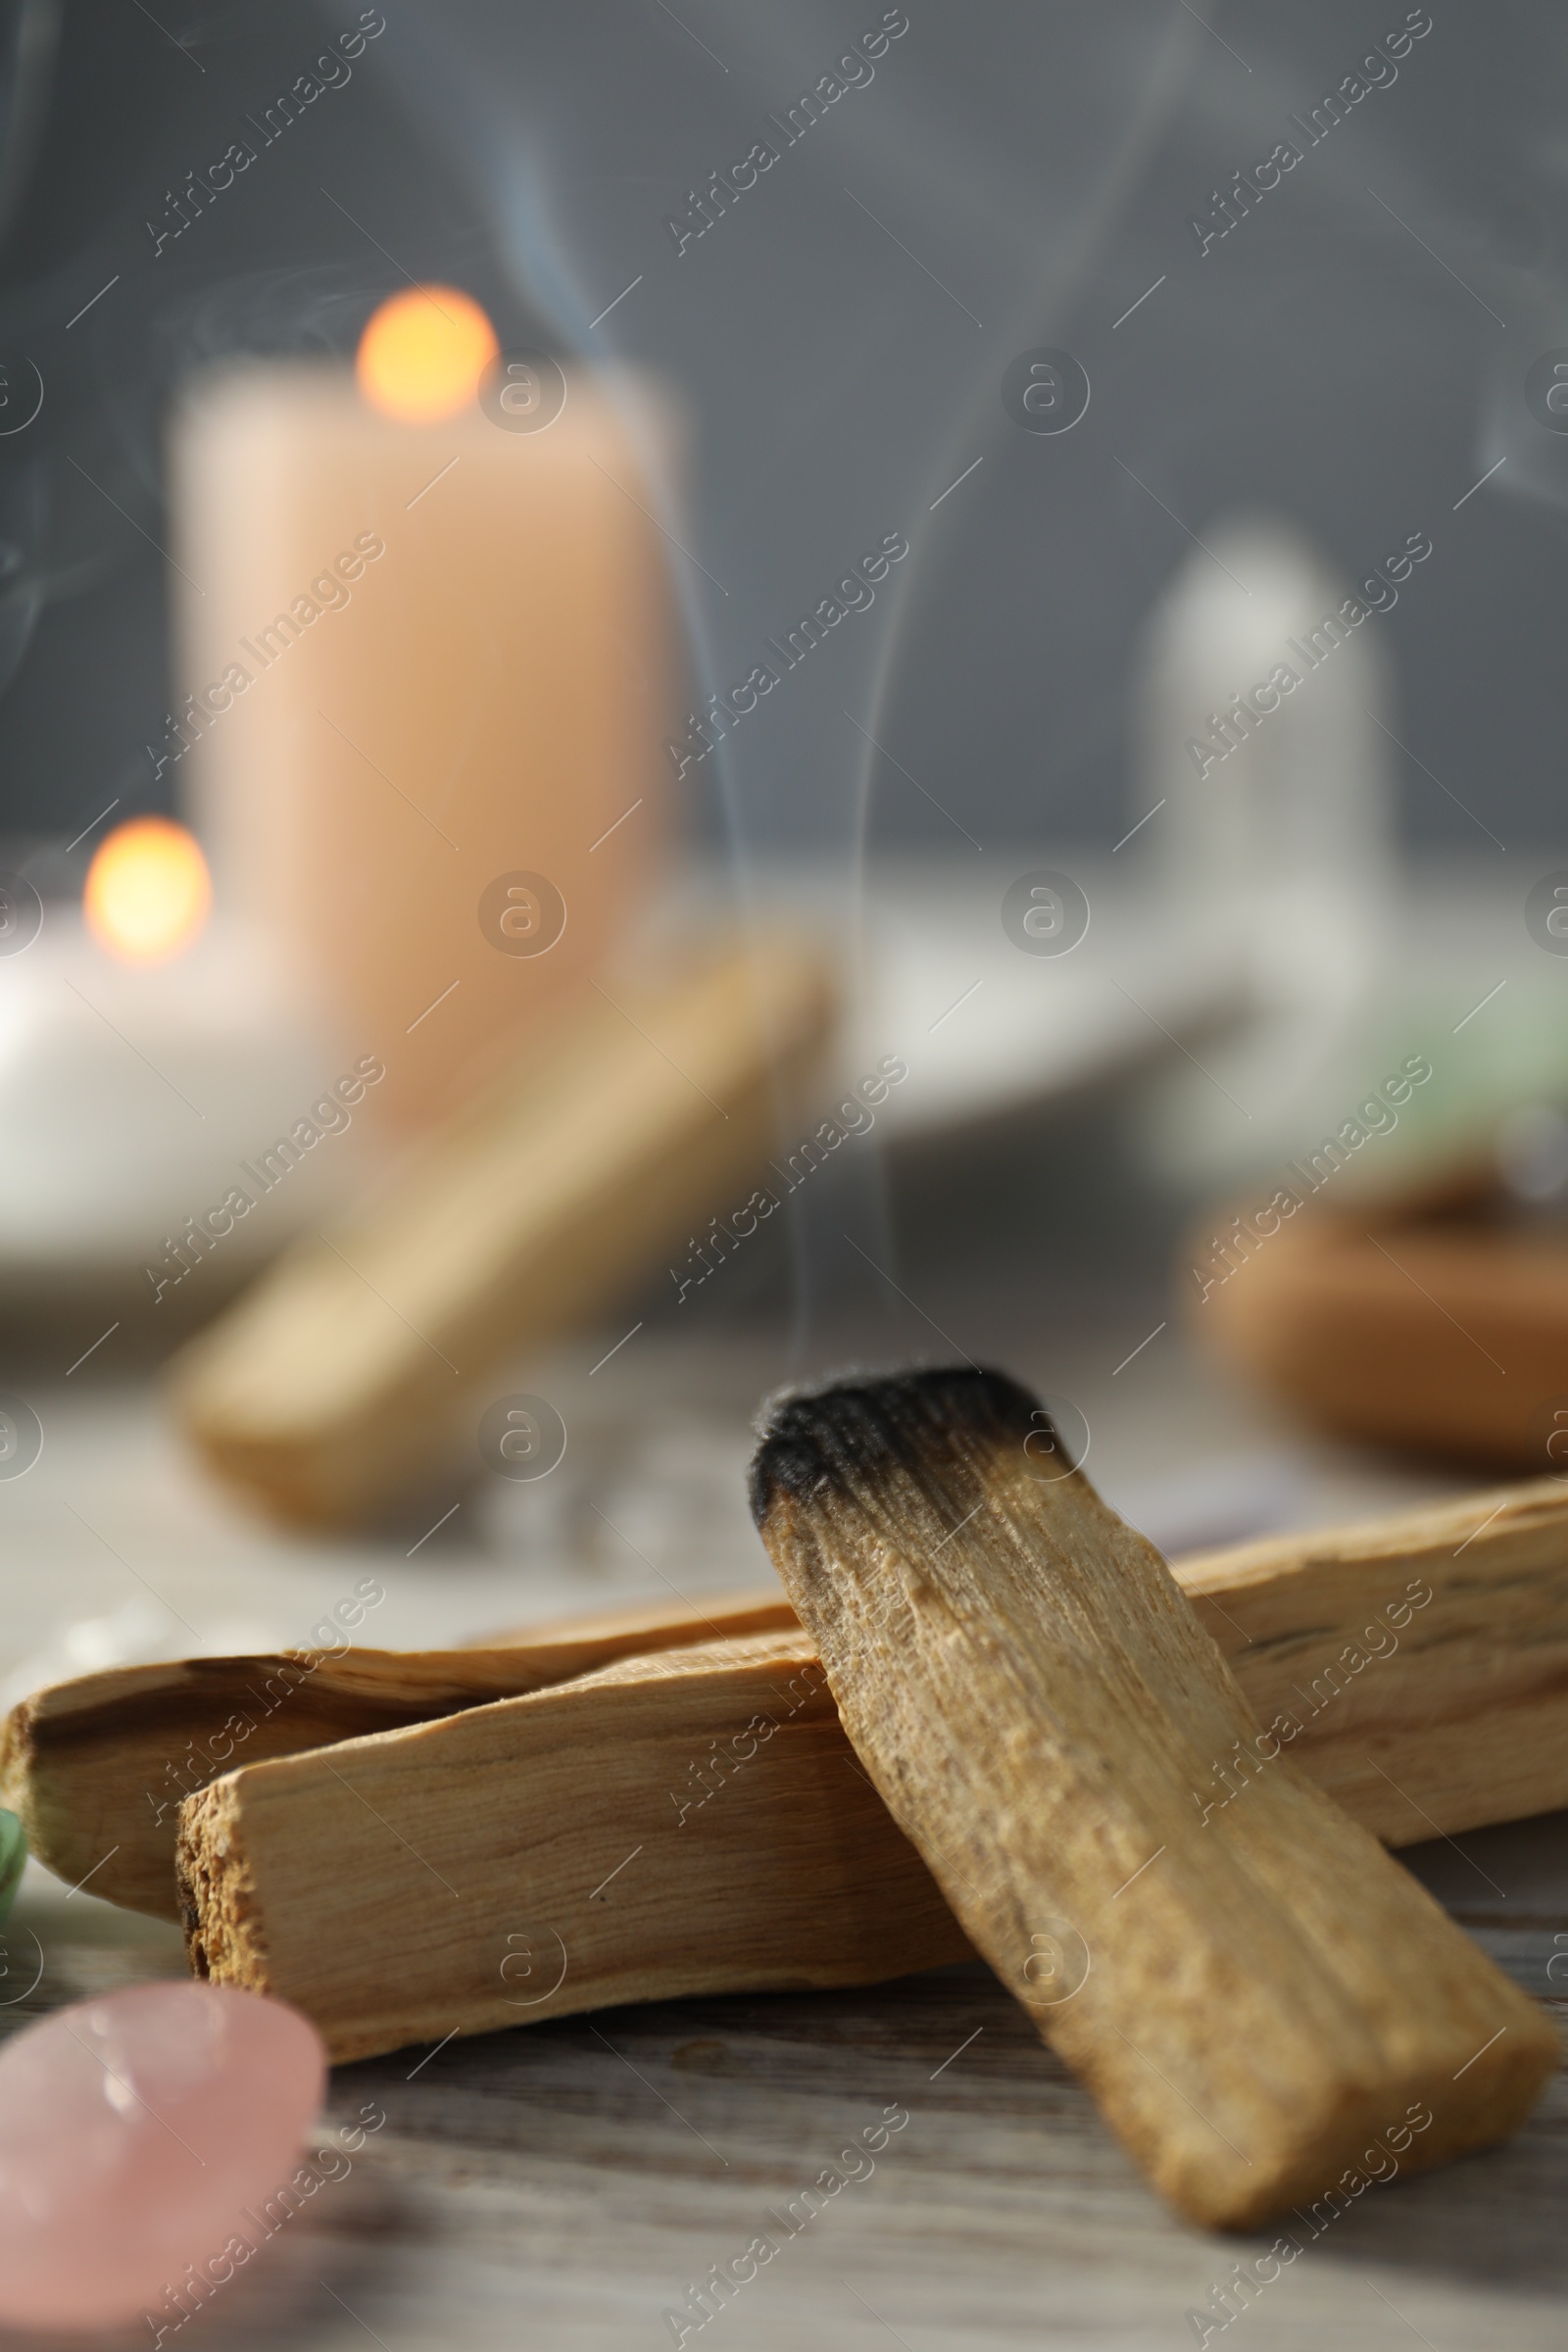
858 1427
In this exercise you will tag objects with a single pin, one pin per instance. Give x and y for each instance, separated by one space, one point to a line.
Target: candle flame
148 891
423 353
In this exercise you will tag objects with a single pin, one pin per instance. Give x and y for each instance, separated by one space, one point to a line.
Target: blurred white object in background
988 1027
942 971
139 1632
1266 712
135 1101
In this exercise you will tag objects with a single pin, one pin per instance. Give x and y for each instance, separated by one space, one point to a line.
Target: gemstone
12 1862
135 2132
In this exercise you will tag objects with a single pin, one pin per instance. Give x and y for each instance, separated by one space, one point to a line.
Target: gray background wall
1029 168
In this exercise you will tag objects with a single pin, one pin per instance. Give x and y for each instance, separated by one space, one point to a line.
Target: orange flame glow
148 891
423 353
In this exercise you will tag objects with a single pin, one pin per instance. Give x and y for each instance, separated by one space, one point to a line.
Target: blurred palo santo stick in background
1251 1994
1414 1666
337 1381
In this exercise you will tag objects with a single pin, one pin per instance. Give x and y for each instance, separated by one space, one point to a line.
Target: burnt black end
858 1426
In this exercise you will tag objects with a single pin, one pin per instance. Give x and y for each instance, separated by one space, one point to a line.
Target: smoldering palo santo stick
1252 1999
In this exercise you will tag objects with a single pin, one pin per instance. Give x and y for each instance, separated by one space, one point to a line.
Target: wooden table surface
563 2186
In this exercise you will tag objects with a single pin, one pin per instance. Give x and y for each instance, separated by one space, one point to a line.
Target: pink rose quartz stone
134 2131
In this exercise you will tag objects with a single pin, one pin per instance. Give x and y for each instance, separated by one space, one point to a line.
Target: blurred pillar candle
424 667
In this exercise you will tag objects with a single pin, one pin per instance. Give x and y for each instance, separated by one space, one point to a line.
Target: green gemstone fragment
12 1862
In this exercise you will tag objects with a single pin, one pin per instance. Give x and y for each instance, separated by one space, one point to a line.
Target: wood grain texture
96 1768
1254 1996
1286 1606
1440 1335
1421 1656
682 1824
586 2171
343 1376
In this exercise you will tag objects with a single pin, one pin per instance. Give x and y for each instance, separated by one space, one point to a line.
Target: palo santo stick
287 1885
1421 1658
1414 1665
340 1379
96 1768
684 1824
1252 1998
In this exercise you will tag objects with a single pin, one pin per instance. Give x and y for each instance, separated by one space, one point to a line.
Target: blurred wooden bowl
1439 1334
